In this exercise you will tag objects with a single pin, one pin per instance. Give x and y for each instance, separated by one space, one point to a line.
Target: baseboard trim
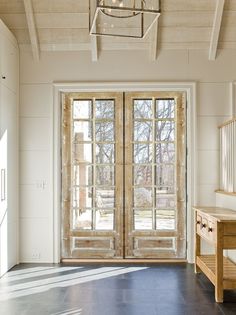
123 261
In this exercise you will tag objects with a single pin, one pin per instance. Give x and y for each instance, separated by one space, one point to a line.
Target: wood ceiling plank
187 19
228 34
61 6
184 46
227 45
32 29
124 46
63 36
80 20
15 20
185 34
57 47
229 19
113 39
230 5
216 29
65 47
187 5
12 6
48 20
62 20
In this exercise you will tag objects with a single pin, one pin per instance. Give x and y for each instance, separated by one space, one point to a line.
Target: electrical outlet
36 256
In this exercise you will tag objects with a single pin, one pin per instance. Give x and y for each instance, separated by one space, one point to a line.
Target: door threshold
123 261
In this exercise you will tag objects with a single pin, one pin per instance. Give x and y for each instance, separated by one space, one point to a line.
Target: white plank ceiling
63 25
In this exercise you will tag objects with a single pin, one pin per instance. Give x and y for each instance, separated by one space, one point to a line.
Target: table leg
197 252
219 268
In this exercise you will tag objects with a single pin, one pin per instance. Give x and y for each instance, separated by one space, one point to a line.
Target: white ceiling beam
154 41
94 39
32 29
94 48
216 29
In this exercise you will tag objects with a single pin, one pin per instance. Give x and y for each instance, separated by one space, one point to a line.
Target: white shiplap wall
213 109
36 148
35 173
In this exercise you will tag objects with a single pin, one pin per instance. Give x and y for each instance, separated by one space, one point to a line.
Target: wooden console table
218 227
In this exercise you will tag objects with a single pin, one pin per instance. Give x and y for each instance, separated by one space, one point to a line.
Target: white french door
123 175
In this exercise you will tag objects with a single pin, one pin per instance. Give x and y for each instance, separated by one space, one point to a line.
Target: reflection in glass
82 197
82 109
165 131
104 109
104 131
82 175
82 219
165 152
165 219
165 202
82 131
165 108
142 131
165 175
104 219
105 153
82 153
105 175
143 197
143 109
143 219
142 174
142 153
105 198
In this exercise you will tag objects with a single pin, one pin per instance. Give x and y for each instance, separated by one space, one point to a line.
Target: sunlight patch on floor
39 286
37 273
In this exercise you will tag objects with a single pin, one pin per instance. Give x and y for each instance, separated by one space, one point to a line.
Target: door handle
3 184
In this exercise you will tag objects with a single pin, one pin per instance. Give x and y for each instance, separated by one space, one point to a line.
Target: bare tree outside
154 151
154 156
94 158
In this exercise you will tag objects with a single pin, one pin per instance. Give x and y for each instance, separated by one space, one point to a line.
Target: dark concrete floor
110 290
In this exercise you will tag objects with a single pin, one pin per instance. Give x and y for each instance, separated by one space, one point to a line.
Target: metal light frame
135 12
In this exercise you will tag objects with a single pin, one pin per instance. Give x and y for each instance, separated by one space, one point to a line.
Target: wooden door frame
188 87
